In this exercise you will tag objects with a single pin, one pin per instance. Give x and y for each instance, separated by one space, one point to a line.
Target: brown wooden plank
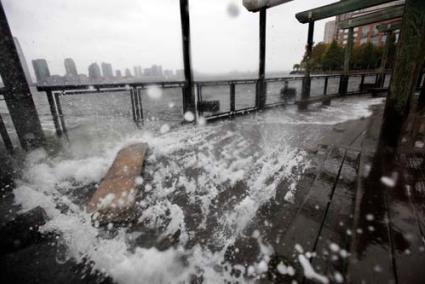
116 193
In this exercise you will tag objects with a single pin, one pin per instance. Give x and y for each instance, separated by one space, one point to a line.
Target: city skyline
142 32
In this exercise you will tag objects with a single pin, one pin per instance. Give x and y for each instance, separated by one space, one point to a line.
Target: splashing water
188 174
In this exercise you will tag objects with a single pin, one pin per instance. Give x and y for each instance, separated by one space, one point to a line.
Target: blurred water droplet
189 116
233 10
165 128
202 121
171 105
154 92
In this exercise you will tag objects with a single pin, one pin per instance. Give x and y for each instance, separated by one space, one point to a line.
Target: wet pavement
271 197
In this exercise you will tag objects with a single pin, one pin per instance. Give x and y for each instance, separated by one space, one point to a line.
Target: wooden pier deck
352 225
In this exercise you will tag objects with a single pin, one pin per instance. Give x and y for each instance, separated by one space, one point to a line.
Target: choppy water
203 184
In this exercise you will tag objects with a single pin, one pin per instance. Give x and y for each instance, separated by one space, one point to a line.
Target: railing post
260 90
384 60
325 89
54 113
232 97
140 105
362 83
133 104
199 99
60 114
306 83
188 92
6 139
343 83
18 96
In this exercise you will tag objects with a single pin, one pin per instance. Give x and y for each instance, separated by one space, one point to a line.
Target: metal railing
55 92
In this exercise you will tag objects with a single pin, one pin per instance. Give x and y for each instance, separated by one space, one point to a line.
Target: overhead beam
257 5
385 28
336 9
386 14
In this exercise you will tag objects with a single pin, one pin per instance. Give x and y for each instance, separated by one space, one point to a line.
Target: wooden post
17 92
188 94
306 84
384 60
406 71
343 83
261 89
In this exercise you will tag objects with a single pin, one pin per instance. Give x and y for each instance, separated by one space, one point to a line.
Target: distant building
41 70
118 74
23 61
168 73
94 72
330 32
55 80
70 67
128 73
367 33
154 71
180 73
107 70
138 71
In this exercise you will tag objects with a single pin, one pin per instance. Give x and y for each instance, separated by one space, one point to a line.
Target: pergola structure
409 60
386 14
327 11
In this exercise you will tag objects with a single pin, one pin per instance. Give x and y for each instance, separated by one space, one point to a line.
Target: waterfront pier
222 180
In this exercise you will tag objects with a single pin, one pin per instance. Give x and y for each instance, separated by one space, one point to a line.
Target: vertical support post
199 99
232 97
133 104
325 89
18 96
384 60
306 84
343 83
6 139
138 92
362 83
60 114
261 88
407 68
54 113
188 93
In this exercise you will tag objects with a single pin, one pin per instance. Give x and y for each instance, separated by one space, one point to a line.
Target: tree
333 59
317 54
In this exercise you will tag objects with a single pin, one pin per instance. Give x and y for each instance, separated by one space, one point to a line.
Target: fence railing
210 104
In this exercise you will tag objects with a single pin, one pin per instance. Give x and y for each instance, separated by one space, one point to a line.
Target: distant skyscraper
128 73
118 74
107 70
41 70
70 68
23 61
94 72
330 32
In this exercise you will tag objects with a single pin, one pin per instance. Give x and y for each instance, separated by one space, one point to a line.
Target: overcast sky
145 32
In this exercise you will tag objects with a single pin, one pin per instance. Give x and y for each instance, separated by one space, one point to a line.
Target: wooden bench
367 86
325 100
378 91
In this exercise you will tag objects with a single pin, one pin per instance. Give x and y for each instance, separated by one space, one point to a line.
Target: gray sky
145 32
